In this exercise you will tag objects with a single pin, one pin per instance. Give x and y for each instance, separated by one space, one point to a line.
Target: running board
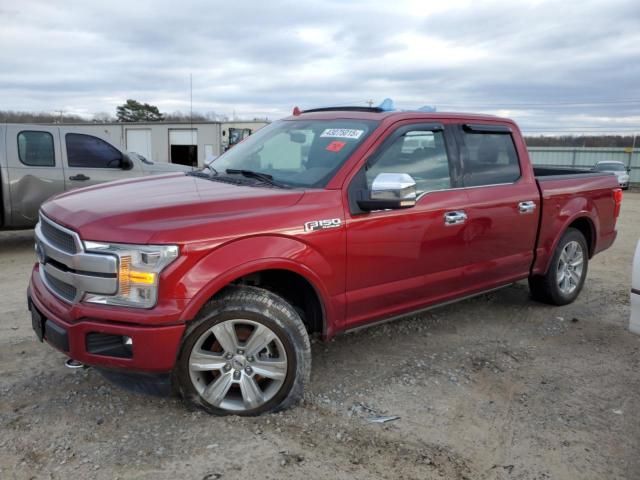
422 310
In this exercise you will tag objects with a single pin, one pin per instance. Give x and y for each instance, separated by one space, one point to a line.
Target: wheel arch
219 269
585 224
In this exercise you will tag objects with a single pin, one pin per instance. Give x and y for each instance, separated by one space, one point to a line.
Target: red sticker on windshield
336 146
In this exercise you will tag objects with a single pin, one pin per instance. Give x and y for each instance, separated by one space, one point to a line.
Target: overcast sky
549 65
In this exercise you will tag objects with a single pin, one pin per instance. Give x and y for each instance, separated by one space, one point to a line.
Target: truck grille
66 269
57 237
60 288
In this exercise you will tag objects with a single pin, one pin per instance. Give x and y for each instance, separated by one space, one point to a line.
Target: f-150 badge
322 224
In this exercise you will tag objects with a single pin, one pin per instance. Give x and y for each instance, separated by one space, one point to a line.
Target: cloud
533 60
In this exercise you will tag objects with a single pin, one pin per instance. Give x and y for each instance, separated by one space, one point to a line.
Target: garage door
139 141
183 147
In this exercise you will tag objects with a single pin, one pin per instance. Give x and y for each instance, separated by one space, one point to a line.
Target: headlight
139 268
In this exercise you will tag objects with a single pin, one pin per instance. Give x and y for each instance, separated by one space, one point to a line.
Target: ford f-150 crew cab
319 223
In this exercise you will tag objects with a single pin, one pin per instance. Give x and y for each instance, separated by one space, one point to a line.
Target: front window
87 151
302 153
421 154
610 167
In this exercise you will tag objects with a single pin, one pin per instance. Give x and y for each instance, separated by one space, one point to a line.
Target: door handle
81 177
527 207
455 218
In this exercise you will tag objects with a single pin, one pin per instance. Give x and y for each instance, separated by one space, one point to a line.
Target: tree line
128 112
135 111
585 141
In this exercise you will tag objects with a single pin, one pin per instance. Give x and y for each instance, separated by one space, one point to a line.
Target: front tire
567 272
246 353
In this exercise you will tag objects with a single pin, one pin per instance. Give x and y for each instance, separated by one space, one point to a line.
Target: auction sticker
336 146
350 133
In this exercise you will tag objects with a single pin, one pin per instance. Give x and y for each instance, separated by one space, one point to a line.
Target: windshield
303 153
610 167
139 157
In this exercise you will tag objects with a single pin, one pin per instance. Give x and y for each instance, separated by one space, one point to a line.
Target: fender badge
322 224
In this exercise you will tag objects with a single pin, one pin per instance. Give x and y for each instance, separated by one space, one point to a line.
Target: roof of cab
373 114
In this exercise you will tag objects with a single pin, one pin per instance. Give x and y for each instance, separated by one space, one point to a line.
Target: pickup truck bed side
564 204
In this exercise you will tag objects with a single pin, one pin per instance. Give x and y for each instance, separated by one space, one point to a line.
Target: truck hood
162 209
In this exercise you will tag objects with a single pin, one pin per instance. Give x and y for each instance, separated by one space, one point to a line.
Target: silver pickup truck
39 161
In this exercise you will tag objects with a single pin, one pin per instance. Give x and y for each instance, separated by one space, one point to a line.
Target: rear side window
91 152
36 149
488 158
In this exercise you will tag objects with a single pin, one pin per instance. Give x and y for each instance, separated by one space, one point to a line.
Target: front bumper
155 339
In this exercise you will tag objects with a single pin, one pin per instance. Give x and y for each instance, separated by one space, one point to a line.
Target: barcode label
342 133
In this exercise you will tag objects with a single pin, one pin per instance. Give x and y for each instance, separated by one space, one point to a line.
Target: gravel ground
497 387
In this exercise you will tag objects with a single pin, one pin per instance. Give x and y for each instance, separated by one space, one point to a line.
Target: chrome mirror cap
389 191
396 187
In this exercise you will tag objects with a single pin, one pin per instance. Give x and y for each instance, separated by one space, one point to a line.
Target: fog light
128 341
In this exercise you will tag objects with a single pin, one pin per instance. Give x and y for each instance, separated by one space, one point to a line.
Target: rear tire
246 353
567 272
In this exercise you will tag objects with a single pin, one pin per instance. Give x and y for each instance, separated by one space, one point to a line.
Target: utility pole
633 147
60 112
370 103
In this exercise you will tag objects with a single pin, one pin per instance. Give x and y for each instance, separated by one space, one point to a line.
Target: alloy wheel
570 267
238 365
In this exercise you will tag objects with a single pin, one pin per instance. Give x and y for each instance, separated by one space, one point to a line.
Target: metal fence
586 157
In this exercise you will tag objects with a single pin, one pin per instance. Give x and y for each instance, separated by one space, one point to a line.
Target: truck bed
544 173
567 193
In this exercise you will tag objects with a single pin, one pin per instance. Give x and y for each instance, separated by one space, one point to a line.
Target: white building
184 143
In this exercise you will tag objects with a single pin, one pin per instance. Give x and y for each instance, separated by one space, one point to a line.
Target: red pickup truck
319 223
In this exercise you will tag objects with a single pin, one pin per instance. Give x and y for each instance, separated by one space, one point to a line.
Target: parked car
323 222
634 323
618 168
38 161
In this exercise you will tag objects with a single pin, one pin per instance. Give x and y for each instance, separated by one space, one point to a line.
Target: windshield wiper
210 167
265 177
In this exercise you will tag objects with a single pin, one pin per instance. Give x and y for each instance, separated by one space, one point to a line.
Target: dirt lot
497 387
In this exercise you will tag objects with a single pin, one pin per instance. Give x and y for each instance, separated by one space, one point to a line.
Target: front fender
250 255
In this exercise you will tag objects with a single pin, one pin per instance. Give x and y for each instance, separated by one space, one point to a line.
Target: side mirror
126 163
390 191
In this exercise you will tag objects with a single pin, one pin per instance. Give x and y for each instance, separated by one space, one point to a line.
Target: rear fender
552 232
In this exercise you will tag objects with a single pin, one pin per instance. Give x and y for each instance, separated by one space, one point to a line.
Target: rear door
34 170
399 260
503 205
90 160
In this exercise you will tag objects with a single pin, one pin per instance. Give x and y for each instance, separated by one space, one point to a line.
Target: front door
91 160
400 260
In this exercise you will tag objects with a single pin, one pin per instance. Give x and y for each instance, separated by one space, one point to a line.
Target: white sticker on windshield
342 133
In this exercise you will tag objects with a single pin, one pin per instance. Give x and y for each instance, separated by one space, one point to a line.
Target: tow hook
74 364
